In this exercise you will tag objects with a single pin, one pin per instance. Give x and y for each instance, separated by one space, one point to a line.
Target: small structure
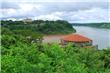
27 20
77 40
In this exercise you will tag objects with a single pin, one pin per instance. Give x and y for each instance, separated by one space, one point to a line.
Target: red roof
75 38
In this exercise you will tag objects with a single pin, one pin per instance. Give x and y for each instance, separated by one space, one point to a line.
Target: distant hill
44 27
98 25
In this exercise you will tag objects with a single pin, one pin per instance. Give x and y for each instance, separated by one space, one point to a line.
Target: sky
71 10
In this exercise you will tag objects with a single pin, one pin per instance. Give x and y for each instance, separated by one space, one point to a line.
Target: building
27 20
77 40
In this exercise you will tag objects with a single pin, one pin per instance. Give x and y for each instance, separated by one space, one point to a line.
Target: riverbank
52 38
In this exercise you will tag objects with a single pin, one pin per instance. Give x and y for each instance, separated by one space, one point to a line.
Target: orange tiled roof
75 38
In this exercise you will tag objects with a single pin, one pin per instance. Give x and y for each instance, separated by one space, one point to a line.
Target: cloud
48 17
7 5
94 15
24 10
55 0
70 11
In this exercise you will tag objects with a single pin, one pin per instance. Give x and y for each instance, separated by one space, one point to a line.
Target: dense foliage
21 55
40 26
97 25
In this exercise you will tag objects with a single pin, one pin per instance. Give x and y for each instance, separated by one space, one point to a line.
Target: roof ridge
75 37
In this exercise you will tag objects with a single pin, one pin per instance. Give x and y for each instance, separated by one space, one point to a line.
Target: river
100 37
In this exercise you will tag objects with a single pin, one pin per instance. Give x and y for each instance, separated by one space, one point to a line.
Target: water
100 37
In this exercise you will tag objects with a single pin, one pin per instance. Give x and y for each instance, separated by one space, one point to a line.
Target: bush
21 56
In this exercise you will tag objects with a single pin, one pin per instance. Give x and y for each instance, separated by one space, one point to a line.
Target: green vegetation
97 25
21 55
40 26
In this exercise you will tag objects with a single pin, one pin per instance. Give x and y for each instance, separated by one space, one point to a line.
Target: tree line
40 26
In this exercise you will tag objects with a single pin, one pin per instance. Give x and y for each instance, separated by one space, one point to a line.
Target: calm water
100 37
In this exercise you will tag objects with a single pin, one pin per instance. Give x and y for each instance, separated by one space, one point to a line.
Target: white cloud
13 19
7 12
71 11
94 14
55 0
48 17
24 10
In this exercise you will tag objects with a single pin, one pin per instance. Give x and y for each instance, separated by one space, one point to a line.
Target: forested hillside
40 26
23 54
97 25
